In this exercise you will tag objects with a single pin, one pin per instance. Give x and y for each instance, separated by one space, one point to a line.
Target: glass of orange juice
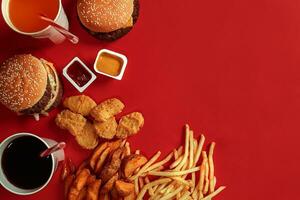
23 16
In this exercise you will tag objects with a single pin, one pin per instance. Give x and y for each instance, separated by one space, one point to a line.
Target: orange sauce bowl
110 63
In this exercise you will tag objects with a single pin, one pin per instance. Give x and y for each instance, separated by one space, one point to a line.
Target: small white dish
65 73
122 57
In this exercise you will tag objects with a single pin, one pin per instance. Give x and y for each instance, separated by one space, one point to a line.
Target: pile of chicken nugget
89 122
105 175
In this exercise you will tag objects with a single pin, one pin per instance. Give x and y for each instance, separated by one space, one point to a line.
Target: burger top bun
23 80
104 15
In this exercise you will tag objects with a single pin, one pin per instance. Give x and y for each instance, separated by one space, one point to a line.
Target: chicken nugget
78 184
70 121
107 129
87 138
112 166
80 104
107 109
93 190
130 124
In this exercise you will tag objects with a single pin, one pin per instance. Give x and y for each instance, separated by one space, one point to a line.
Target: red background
230 69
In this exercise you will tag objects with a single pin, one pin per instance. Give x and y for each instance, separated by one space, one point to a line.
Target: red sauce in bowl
79 74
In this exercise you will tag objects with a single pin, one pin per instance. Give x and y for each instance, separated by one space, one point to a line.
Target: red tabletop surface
231 69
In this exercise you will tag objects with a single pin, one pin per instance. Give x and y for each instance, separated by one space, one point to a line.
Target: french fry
215 181
78 183
206 185
191 155
181 181
170 189
216 192
149 163
104 197
123 188
194 194
136 186
68 183
193 182
98 151
174 173
180 150
93 190
186 150
115 144
160 163
199 149
211 167
82 166
131 163
141 182
101 160
127 146
185 196
202 176
172 194
149 185
175 153
132 196
158 188
82 194
123 143
176 162
137 151
151 191
109 184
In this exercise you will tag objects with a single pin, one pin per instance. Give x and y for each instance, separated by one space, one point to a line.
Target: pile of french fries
189 176
114 171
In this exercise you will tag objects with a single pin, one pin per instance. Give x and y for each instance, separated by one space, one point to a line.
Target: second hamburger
108 19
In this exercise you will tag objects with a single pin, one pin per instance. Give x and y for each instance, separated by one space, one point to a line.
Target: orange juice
24 14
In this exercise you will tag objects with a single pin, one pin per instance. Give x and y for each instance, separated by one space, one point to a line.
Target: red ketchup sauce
79 74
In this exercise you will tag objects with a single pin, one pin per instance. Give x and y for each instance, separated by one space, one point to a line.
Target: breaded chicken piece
107 109
70 121
130 124
87 138
107 129
80 104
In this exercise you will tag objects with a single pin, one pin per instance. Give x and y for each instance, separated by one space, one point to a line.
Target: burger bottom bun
114 35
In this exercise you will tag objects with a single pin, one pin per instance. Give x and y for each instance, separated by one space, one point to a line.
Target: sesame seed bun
109 30
23 80
36 86
104 15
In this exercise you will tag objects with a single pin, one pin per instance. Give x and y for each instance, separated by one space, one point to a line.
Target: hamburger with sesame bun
108 19
29 85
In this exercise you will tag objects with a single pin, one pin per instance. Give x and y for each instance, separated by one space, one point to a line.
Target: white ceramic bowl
82 88
118 55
